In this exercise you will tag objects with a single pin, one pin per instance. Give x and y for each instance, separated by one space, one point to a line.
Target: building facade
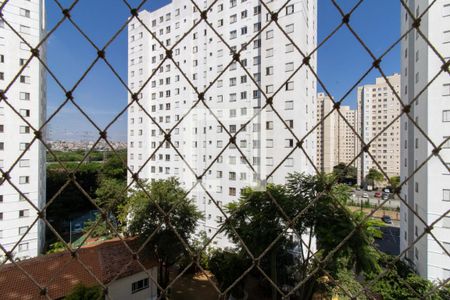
28 97
233 95
378 108
336 141
427 191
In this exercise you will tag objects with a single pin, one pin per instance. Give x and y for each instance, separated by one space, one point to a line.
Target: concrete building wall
28 96
234 99
123 288
378 108
335 138
428 191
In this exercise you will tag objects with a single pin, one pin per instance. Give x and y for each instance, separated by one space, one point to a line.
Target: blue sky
341 60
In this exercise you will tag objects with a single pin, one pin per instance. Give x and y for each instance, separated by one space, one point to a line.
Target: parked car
77 228
365 195
378 194
386 219
385 197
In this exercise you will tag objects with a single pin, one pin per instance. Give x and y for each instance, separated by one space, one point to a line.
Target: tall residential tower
233 94
428 189
28 97
378 123
336 140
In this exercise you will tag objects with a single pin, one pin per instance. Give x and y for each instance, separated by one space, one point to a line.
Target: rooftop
60 272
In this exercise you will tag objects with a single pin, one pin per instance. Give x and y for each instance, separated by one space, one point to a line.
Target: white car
365 195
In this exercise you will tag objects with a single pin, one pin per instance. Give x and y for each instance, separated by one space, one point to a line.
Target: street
358 197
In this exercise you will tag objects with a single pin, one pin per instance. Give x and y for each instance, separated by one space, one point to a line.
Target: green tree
144 219
227 265
332 222
258 224
82 292
401 282
115 167
374 176
56 247
102 229
394 181
111 195
70 202
344 173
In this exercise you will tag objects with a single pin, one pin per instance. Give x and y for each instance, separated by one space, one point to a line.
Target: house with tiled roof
108 264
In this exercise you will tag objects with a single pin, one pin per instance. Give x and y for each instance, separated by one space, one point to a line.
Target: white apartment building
428 190
28 97
234 98
336 141
378 108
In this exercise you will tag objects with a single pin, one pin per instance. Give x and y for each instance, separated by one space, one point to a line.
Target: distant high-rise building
427 190
379 108
271 61
335 138
28 97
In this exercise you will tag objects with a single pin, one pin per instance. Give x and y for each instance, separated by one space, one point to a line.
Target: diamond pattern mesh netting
317 262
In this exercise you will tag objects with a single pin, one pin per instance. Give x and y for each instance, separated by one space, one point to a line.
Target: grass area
78 155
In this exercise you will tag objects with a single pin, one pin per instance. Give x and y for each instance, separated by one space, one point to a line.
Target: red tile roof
60 272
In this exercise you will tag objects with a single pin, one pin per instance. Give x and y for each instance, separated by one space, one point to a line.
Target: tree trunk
273 273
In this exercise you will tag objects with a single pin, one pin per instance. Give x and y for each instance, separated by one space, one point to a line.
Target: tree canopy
144 219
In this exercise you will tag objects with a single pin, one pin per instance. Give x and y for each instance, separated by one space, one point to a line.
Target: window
290 28
289 48
23 229
289 162
289 67
290 9
139 285
446 116
24 79
25 29
269 34
24 179
24 96
2 76
269 125
2 146
2 58
24 213
446 10
446 194
269 70
446 89
24 129
446 37
24 12
23 247
289 86
269 52
25 112
446 145
24 163
288 105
